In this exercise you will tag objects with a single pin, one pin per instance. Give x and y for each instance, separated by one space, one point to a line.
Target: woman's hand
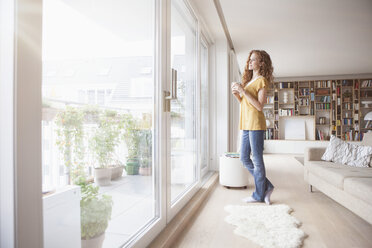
235 92
239 88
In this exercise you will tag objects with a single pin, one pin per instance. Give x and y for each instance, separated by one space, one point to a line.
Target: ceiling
304 38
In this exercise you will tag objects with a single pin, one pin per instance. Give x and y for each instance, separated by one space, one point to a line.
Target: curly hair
266 67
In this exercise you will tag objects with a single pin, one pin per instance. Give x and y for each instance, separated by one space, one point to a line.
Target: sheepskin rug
266 225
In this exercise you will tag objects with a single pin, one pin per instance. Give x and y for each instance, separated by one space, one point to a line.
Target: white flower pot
96 242
102 176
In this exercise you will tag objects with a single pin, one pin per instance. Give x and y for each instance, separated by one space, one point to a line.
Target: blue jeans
253 141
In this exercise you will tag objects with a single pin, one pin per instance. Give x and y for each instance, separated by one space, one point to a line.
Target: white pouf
233 173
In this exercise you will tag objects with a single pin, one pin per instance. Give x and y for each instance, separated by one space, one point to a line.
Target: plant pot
132 166
132 169
102 176
96 242
145 171
116 172
48 114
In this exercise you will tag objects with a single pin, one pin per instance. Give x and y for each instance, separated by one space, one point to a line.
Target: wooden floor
327 223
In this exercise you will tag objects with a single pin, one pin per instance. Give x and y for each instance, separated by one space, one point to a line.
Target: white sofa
349 186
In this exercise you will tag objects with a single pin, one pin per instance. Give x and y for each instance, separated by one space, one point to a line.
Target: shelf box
322 91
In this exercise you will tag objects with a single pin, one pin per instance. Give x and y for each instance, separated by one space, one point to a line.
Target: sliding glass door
98 121
116 165
204 108
183 116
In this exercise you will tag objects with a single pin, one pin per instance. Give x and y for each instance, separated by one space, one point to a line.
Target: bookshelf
270 114
365 104
337 106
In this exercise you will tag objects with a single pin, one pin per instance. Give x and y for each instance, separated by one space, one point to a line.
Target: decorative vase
285 97
268 123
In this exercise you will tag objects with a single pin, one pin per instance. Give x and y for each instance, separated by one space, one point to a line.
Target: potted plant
103 144
116 170
146 153
95 213
131 136
70 137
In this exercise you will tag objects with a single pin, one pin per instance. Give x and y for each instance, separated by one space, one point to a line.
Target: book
232 154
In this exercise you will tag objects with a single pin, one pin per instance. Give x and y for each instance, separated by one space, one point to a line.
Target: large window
98 113
204 113
107 140
183 109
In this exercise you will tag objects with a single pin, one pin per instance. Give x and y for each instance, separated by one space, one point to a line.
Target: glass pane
204 153
183 114
98 100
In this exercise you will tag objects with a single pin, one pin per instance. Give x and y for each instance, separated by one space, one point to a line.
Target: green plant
146 148
131 134
95 210
70 137
105 138
91 114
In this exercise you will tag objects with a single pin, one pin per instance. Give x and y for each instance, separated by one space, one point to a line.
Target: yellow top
250 117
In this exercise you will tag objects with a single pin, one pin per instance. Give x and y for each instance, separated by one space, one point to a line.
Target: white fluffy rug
268 226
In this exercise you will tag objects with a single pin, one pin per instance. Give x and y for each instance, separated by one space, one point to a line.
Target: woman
251 94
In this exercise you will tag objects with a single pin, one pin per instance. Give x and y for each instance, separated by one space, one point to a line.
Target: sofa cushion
334 149
339 151
359 187
359 156
336 173
367 141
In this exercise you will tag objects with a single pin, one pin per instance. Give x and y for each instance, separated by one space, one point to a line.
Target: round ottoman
233 173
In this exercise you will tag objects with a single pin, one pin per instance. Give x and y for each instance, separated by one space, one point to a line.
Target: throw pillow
333 147
359 156
339 151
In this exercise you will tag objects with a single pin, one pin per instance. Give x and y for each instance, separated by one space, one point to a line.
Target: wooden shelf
334 113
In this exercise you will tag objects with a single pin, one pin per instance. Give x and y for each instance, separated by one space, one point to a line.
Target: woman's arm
260 102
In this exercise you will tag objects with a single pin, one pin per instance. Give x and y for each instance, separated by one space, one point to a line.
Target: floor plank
327 223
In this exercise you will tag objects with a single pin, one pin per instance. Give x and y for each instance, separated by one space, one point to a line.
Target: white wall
291 146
